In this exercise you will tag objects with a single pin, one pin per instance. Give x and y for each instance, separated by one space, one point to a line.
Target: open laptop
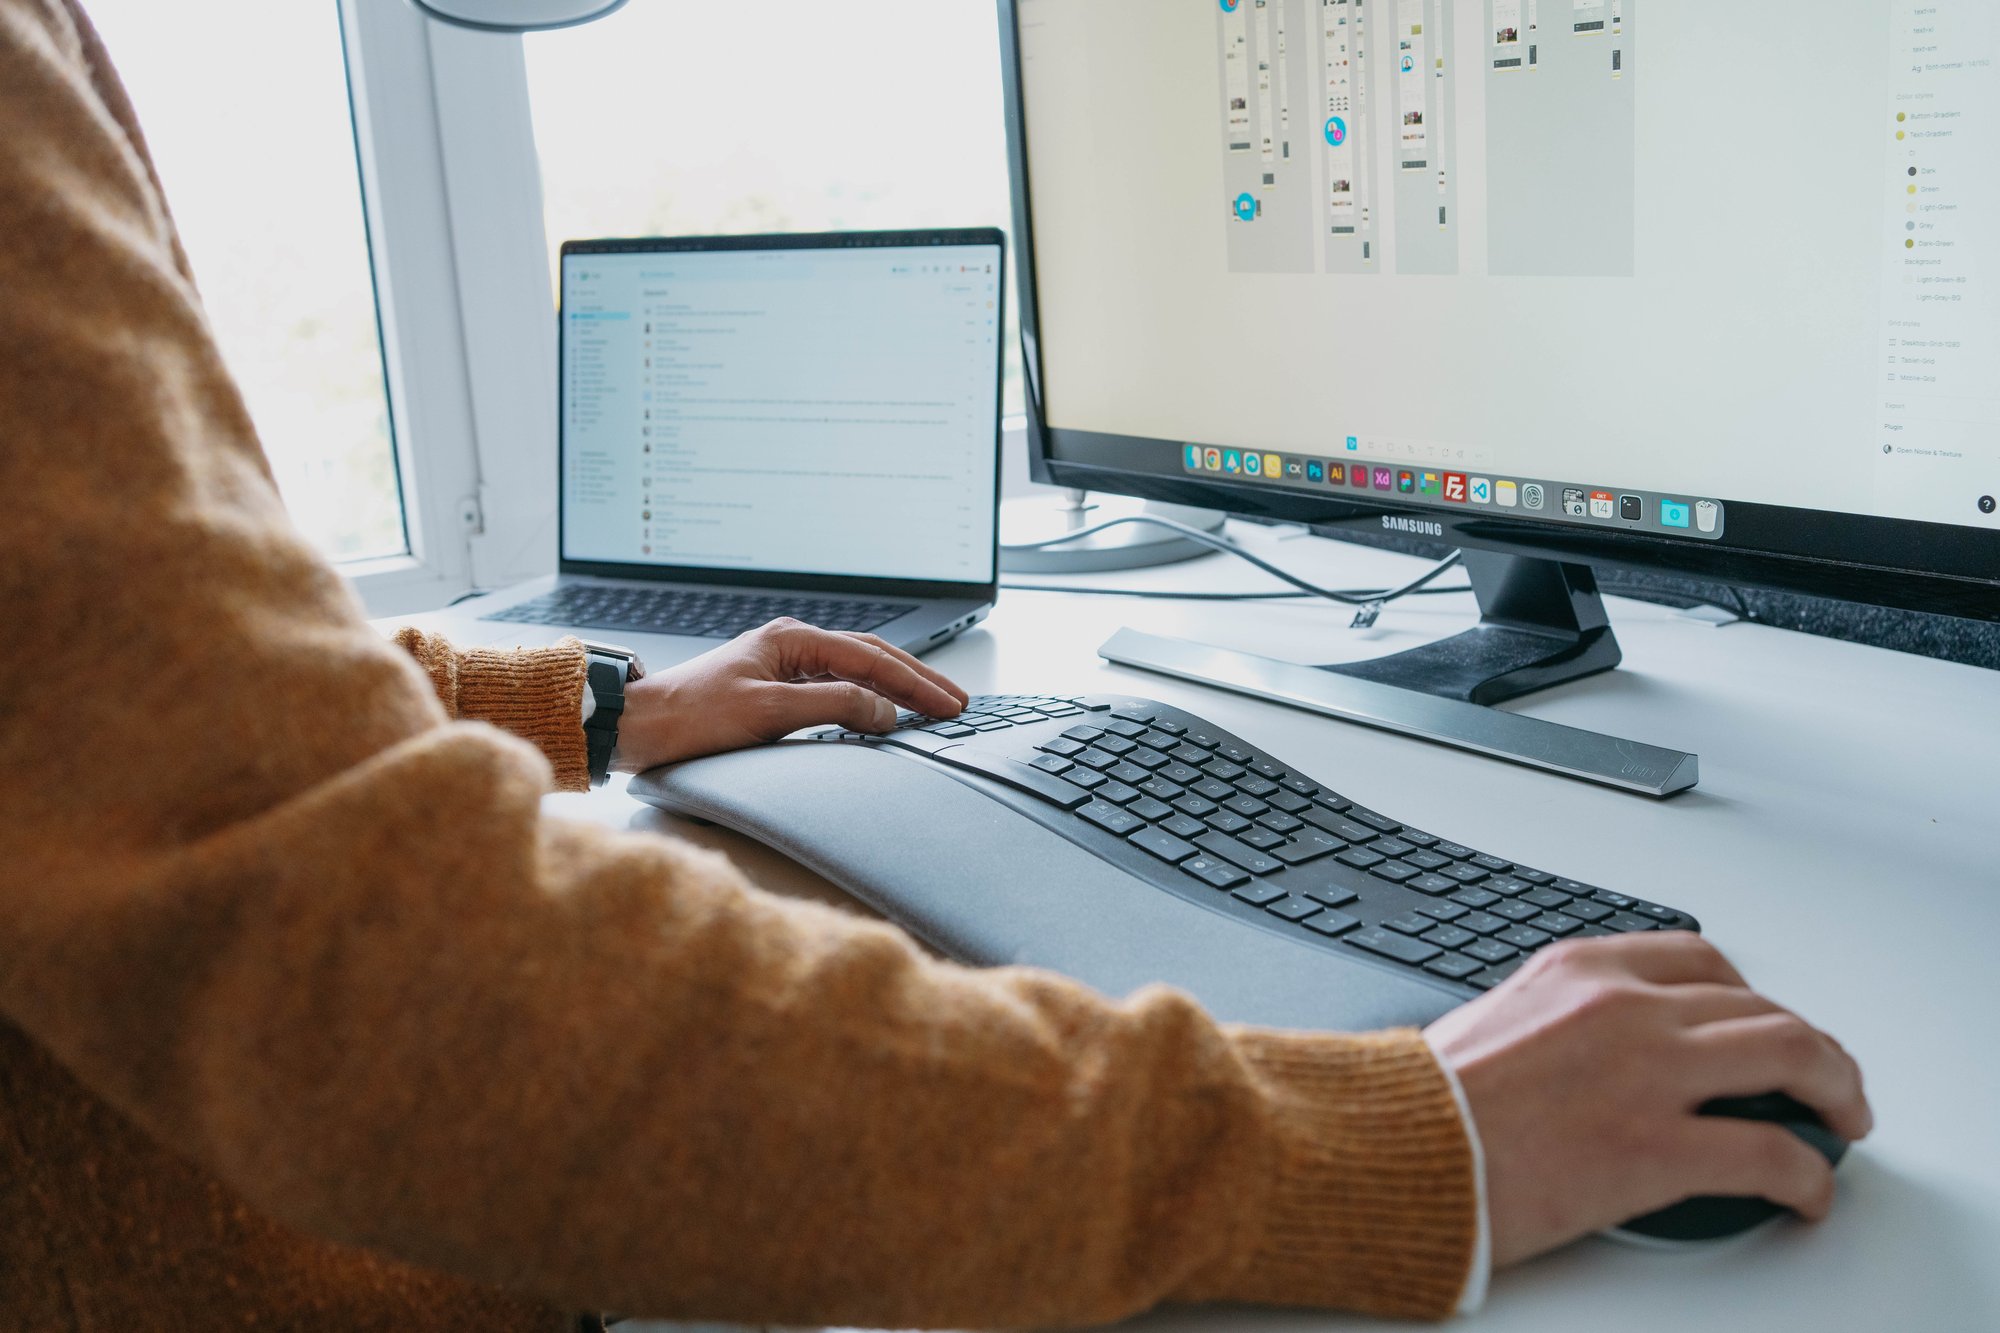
763 426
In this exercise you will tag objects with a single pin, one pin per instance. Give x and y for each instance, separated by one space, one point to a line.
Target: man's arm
263 897
534 693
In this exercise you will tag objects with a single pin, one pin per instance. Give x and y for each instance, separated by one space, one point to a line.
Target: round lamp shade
516 15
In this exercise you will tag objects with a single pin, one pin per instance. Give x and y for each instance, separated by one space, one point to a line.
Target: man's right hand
1584 1072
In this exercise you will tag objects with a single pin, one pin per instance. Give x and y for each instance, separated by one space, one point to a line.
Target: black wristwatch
611 669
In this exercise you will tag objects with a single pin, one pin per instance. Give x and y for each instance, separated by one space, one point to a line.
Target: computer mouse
1716 1217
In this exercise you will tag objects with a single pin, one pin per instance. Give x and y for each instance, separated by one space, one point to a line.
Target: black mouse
1714 1217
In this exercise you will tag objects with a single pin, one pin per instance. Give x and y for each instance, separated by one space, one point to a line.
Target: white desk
1840 848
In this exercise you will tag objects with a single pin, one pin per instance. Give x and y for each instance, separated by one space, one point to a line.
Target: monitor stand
1541 623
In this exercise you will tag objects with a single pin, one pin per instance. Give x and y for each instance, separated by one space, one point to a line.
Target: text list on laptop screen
817 410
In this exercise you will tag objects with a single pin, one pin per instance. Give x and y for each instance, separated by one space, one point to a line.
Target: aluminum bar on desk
1588 755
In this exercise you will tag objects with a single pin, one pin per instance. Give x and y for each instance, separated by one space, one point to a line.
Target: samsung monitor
1686 287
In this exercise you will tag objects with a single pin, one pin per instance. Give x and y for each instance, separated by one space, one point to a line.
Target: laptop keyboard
699 614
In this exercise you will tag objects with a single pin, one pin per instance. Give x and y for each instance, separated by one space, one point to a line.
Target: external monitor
1691 287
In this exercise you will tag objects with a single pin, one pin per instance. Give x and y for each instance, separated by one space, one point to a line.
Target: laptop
764 426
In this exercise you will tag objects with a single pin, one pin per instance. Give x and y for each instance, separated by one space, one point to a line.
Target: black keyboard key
1360 858
1547 899
1390 847
1331 923
1247 806
1257 895
1490 951
1419 837
953 730
1051 763
1110 818
1198 806
1515 911
1084 734
1147 759
1493 976
1254 786
1180 773
1505 885
1126 773
1298 786
1610 899
1164 845
1147 808
1533 876
1222 771
1162 790
1262 838
1202 739
1228 821
1189 754
1087 778
1308 846
1216 874
1587 912
1117 793
1096 758
1183 827
1236 853
1339 826
1017 775
1555 923
1492 863
1453 849
1279 822
1171 728
1380 823
1286 801
1333 895
1268 769
1523 937
1482 923
1214 789
1391 945
1393 871
1410 923
1463 873
1452 967
1434 885
1427 860
1234 753
1120 725
1479 898
1117 745
1158 739
1627 922
1657 912
1063 746
1333 801
1443 911
1294 909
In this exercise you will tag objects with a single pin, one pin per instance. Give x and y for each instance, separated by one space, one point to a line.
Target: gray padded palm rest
928 848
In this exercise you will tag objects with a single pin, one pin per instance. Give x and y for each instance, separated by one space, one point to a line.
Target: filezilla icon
1454 487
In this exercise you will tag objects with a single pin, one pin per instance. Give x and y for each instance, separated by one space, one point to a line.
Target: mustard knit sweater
310 1019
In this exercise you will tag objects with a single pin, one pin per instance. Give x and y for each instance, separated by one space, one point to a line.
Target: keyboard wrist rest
984 885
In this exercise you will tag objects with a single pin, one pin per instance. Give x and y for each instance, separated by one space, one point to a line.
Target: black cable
1227 547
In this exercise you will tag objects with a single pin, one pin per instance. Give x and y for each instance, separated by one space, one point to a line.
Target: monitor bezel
791 580
1931 567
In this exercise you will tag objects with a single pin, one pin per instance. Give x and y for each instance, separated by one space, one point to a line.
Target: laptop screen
823 405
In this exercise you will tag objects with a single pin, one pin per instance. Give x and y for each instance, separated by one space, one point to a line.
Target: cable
1168 596
1228 547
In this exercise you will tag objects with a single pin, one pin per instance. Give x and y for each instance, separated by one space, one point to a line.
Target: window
245 108
791 115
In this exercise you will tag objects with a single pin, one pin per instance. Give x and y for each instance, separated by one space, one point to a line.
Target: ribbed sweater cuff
535 693
1373 1204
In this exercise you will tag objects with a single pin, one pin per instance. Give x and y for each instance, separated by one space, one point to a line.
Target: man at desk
310 1019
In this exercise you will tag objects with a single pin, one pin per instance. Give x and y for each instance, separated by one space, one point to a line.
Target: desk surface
1840 849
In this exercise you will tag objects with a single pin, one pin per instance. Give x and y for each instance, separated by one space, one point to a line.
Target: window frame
452 198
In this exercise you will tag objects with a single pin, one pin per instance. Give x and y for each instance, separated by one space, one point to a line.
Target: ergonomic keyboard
693 612
1171 800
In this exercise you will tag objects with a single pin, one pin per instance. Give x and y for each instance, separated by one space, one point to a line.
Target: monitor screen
827 408
1617 264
